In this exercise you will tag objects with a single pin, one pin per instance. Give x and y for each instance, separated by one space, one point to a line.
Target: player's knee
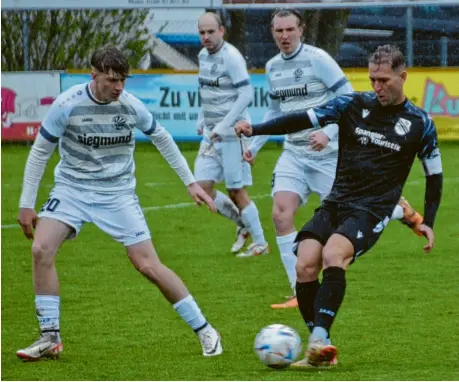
282 217
43 254
207 187
233 195
149 271
336 256
147 265
307 269
239 197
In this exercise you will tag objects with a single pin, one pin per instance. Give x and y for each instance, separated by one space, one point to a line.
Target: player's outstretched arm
164 142
287 124
39 155
258 142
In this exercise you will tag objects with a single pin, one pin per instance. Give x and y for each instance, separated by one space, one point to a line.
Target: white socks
397 213
190 313
227 208
285 244
251 220
47 308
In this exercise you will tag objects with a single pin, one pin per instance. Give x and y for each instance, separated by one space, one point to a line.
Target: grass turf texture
398 321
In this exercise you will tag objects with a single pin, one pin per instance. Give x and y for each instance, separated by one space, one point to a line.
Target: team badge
298 74
119 122
402 126
213 69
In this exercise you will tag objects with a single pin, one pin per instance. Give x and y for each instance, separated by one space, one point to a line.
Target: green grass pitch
399 319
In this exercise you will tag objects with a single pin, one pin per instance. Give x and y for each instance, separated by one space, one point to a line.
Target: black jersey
377 146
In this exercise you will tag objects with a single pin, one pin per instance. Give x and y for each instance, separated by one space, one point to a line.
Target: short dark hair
285 12
110 58
388 54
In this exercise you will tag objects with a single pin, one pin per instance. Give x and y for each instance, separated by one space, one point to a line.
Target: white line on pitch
154 208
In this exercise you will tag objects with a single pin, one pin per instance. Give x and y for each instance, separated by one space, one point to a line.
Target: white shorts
117 214
218 161
304 175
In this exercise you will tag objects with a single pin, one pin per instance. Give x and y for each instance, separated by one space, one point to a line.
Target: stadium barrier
174 100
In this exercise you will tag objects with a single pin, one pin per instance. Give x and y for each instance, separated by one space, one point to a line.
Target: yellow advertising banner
435 90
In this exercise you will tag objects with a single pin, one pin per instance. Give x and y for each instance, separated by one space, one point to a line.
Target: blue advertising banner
174 99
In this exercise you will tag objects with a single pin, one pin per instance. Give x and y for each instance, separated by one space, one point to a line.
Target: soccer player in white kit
301 77
226 93
93 124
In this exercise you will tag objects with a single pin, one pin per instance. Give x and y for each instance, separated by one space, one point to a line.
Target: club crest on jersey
298 74
213 69
119 122
402 126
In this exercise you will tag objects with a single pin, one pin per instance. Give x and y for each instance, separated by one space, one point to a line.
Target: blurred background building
435 34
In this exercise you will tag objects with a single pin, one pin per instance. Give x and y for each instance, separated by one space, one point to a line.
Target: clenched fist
243 128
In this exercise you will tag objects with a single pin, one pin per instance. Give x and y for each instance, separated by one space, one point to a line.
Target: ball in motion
277 346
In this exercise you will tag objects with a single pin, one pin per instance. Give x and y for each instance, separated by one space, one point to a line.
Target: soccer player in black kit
380 133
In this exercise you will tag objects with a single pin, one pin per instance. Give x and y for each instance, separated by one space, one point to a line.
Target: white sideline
154 208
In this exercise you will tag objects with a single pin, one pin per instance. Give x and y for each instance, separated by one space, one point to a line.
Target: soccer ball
277 346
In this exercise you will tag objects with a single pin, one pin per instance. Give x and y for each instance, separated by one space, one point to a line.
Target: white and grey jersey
221 74
96 140
307 78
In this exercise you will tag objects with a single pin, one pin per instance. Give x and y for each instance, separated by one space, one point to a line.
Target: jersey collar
91 96
396 108
294 54
218 49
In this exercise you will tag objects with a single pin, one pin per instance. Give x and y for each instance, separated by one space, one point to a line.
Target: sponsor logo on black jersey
376 138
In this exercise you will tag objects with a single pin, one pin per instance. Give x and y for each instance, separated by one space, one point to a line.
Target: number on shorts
50 205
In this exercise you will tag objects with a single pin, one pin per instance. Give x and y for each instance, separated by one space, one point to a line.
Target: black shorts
363 228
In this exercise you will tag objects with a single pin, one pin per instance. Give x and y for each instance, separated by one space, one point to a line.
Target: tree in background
63 39
325 28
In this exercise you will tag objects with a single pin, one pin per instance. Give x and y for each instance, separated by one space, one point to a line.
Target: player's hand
28 221
429 235
248 157
200 196
243 128
318 140
215 137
